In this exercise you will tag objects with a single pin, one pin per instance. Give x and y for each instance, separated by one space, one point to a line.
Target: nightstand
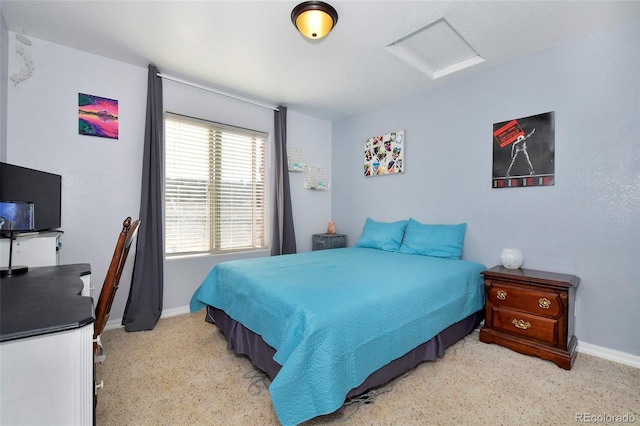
531 312
328 241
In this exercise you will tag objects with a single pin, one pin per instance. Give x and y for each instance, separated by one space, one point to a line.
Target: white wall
311 209
101 177
587 224
4 81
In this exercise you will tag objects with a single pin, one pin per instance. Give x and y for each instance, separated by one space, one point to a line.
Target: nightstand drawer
528 300
521 324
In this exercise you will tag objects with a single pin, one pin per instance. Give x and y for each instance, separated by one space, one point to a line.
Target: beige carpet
182 374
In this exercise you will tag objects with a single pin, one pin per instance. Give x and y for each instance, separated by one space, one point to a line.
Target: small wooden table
328 241
531 312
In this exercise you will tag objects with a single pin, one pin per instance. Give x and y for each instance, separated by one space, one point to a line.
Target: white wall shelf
316 179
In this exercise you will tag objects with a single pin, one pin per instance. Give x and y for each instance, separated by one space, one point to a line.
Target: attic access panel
436 50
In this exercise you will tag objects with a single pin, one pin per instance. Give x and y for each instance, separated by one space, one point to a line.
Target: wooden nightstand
531 312
328 241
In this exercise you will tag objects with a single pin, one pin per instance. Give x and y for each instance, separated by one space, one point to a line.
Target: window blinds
215 186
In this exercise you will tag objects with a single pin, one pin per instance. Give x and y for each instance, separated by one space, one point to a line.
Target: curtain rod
219 92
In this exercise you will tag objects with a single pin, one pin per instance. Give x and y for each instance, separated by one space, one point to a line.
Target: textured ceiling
251 48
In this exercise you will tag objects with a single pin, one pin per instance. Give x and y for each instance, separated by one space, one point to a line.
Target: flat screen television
39 187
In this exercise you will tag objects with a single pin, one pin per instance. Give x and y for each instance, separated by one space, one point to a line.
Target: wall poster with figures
523 152
384 154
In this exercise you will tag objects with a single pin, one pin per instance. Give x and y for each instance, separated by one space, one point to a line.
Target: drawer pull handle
521 324
544 303
501 294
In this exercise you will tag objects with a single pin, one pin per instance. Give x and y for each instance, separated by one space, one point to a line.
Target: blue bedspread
336 316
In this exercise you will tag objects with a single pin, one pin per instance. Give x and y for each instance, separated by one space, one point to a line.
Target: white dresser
46 347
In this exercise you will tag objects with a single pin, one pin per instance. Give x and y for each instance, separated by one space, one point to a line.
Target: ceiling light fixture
314 19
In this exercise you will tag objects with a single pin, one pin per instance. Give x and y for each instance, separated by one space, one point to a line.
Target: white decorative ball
511 258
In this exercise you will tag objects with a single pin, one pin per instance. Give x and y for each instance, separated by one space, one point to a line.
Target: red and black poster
523 151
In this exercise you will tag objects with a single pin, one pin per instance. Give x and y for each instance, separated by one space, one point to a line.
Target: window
214 187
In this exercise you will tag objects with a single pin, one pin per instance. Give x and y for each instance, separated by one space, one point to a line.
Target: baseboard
166 313
609 354
585 348
175 311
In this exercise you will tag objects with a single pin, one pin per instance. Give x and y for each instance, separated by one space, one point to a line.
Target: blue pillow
382 235
434 240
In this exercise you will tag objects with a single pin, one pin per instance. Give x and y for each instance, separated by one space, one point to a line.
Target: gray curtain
144 305
284 238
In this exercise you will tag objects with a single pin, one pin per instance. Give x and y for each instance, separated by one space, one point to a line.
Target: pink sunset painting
97 116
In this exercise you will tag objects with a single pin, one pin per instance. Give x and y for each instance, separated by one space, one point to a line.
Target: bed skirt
243 341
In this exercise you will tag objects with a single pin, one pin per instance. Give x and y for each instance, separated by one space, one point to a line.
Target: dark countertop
44 300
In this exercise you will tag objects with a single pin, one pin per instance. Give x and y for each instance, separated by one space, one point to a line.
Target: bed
330 324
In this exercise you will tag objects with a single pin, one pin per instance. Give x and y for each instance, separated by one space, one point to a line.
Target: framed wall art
524 151
97 116
384 154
